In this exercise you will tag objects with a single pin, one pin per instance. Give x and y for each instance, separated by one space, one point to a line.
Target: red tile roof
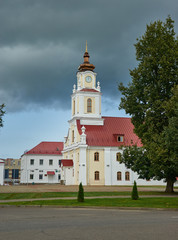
106 135
49 148
67 162
88 90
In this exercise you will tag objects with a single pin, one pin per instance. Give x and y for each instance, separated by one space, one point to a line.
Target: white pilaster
108 167
82 166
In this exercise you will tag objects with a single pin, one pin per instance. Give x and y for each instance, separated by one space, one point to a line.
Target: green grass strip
9 196
157 202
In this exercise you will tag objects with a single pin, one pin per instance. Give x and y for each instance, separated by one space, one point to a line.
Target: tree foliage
2 112
150 99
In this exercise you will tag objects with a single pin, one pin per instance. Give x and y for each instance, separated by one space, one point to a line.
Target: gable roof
49 148
106 135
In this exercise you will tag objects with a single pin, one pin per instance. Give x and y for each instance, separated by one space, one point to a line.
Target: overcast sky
42 44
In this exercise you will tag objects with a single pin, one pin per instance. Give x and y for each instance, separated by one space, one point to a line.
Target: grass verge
9 196
156 202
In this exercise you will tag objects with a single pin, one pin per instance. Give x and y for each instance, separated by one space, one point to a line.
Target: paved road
96 224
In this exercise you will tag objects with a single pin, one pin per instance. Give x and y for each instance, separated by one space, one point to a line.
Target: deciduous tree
150 100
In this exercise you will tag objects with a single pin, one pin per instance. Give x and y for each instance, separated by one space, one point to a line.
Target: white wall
37 169
1 172
68 175
116 167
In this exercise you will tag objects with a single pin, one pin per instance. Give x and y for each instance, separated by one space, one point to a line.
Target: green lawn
157 202
8 196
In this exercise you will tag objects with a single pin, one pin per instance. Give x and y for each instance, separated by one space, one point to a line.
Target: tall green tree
2 112
150 100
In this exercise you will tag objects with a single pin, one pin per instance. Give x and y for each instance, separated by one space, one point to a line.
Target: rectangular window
6 173
31 176
120 138
15 173
41 161
32 161
50 162
40 176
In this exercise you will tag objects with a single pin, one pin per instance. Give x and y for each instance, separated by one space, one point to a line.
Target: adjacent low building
41 164
12 170
1 171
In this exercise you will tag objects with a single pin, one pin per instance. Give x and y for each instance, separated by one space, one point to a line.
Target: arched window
97 175
96 156
119 176
127 176
89 105
118 156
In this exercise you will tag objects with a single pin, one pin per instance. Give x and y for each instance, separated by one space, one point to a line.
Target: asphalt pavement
83 224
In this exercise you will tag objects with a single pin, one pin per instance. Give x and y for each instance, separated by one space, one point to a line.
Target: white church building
91 150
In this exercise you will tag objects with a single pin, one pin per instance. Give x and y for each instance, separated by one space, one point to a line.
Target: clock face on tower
88 79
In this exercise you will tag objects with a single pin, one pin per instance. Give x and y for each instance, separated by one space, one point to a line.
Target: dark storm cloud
42 44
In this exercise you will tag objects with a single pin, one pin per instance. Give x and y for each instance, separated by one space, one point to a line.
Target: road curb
89 207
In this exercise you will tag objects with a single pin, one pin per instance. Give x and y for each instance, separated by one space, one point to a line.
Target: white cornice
74 146
85 118
79 92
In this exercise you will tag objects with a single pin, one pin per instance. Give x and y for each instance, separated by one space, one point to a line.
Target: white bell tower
86 97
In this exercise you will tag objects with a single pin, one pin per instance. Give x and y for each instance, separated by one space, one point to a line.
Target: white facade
115 167
40 168
1 172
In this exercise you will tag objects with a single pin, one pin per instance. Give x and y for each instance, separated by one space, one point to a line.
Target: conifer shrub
135 192
80 193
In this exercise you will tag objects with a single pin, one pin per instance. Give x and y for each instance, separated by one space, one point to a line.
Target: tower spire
86 65
86 47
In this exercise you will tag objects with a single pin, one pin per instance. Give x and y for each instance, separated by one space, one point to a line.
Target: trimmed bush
80 193
135 192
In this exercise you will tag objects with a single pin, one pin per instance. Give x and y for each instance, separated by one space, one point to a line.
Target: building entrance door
50 178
